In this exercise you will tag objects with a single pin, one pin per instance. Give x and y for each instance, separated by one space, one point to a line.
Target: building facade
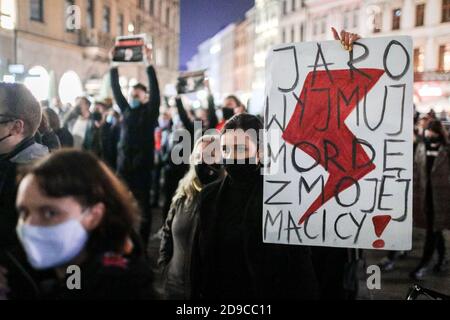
243 57
427 21
267 18
68 41
283 21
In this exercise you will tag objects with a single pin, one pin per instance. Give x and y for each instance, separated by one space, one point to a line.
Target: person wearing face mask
232 106
73 211
136 145
20 116
232 262
179 230
207 117
431 200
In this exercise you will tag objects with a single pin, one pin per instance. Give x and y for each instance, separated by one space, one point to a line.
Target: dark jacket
275 271
65 137
136 145
175 254
26 152
439 180
106 276
51 140
11 253
110 138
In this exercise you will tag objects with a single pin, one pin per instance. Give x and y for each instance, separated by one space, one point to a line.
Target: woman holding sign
233 261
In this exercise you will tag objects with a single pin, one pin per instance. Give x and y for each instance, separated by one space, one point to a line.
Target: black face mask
227 113
243 171
97 116
207 173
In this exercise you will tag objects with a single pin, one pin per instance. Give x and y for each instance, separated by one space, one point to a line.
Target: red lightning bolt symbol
318 120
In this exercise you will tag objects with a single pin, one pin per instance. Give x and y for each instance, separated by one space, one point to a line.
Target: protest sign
339 144
189 82
129 49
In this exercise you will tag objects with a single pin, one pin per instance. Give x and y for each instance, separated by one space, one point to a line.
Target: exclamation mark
380 223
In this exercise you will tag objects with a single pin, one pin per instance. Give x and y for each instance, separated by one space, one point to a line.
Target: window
445 10
121 24
293 5
37 10
283 36
377 22
138 24
396 14
420 14
355 18
323 25
167 56
419 58
90 14
302 31
168 16
141 4
151 7
346 20
106 19
444 58
284 7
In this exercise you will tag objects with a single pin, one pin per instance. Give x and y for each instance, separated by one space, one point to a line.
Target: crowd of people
78 187
431 189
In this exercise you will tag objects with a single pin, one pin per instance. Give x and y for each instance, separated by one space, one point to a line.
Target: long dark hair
437 127
78 174
245 122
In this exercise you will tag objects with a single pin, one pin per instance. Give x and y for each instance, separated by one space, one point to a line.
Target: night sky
201 19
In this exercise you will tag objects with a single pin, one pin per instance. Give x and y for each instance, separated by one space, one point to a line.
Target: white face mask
49 247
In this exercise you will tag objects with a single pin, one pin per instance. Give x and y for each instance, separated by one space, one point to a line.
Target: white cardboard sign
339 144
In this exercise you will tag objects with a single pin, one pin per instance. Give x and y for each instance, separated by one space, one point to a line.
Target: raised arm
155 95
187 123
117 91
212 117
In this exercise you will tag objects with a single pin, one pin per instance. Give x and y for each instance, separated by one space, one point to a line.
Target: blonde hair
187 186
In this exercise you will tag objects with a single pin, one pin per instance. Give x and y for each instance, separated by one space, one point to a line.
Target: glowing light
430 91
9 78
38 82
215 49
70 87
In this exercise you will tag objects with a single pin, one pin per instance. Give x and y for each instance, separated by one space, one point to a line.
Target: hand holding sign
130 49
347 38
148 52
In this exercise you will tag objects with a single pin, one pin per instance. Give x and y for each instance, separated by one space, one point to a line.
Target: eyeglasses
8 117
